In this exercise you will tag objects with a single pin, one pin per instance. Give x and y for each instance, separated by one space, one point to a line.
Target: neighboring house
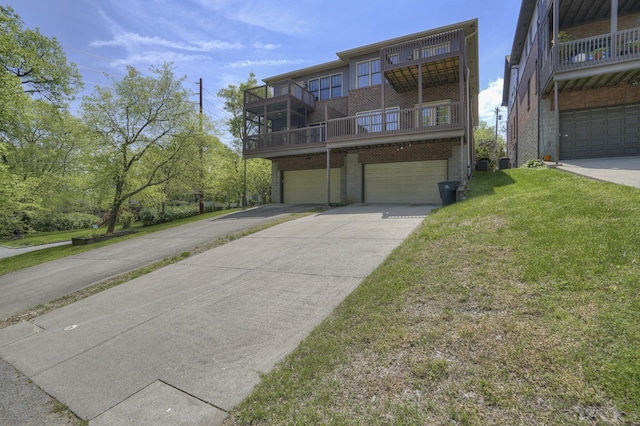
584 56
324 129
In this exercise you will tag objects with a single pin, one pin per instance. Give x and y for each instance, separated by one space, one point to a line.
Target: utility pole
497 118
201 183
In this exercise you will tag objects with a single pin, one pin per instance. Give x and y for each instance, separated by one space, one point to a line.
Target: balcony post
613 50
328 177
556 30
420 123
384 110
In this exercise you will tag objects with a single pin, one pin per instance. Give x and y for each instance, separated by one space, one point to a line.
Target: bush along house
384 123
572 80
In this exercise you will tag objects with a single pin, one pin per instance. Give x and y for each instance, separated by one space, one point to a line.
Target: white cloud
272 15
488 100
130 40
268 46
267 62
152 58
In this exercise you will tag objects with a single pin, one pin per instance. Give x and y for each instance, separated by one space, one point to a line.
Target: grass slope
518 306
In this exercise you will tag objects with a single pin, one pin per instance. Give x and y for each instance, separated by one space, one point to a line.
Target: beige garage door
411 182
310 186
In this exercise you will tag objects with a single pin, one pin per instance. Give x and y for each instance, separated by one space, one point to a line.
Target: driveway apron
186 343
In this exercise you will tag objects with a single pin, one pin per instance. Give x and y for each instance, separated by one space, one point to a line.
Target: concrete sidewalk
24 289
621 170
186 343
10 251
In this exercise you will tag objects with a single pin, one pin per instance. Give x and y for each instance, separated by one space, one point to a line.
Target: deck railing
282 88
286 139
411 120
418 50
428 119
591 52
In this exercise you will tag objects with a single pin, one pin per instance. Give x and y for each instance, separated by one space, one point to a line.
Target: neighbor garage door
411 182
310 186
600 132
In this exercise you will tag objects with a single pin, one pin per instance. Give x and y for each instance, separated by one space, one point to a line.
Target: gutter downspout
469 119
468 126
516 103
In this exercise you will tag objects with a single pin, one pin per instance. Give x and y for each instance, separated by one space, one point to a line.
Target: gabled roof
527 8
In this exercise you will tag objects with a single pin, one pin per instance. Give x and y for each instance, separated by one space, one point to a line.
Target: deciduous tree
34 62
143 127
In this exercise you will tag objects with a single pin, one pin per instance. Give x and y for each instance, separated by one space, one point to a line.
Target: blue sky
221 41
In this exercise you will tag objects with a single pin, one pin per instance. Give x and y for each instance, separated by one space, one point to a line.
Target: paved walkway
184 344
10 251
24 289
622 170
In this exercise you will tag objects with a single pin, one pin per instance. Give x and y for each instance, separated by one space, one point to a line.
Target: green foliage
34 62
144 132
534 163
233 96
153 216
49 222
486 145
125 219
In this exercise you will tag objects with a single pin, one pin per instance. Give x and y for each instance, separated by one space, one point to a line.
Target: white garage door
310 186
411 182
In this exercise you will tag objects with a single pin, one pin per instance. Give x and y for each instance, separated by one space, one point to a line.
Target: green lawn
520 305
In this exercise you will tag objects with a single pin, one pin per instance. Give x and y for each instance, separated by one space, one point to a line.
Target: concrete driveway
185 344
622 170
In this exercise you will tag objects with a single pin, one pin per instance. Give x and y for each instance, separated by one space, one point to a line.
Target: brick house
582 56
324 129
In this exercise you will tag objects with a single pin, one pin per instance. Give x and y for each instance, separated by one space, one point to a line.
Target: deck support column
556 119
328 177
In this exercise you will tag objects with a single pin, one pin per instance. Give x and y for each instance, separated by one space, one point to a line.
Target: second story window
327 87
369 73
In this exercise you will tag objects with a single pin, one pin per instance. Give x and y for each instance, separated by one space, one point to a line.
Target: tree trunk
113 218
115 207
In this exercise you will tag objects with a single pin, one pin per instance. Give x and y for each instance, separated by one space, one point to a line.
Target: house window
528 94
326 87
336 85
435 113
314 88
371 121
369 73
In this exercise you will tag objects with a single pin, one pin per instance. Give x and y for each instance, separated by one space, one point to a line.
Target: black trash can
505 163
482 165
448 191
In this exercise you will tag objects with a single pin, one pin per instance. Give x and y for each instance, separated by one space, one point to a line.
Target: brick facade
527 116
352 163
369 98
602 96
532 128
602 27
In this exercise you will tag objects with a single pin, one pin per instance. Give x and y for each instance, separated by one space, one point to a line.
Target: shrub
49 222
153 216
125 219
